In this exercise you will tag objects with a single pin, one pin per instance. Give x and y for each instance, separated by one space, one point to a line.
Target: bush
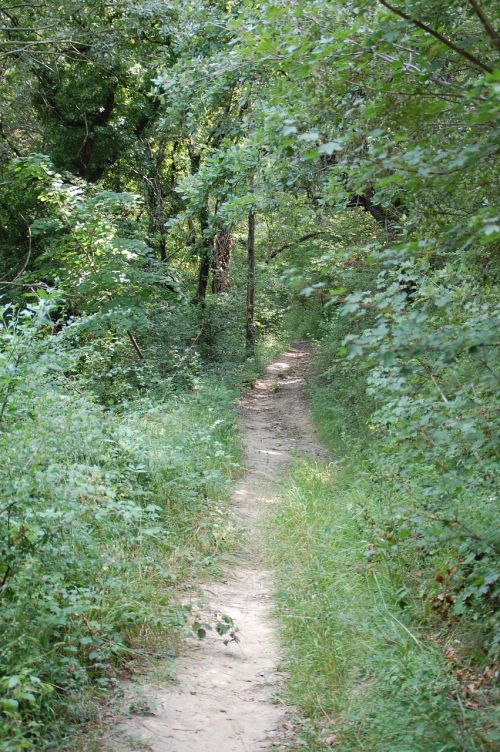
387 560
102 513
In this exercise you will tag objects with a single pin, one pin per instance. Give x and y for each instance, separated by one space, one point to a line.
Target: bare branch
309 236
135 344
486 23
30 286
437 35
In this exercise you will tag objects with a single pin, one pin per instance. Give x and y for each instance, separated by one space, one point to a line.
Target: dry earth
225 697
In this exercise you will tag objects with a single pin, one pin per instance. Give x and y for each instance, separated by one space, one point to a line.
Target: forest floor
226 696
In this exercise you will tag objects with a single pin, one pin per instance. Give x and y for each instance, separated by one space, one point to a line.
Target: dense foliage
181 181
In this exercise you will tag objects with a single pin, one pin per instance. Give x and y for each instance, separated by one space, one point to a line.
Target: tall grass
374 661
109 513
365 673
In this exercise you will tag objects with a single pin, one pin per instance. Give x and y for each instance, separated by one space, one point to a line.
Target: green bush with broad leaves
101 515
433 371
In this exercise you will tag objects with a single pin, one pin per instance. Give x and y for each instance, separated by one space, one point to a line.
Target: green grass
362 671
373 665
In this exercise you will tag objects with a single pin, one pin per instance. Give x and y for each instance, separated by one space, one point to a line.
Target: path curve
225 697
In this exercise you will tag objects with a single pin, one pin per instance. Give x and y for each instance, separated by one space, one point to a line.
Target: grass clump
364 671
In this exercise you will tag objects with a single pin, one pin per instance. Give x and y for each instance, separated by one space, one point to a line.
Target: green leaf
330 148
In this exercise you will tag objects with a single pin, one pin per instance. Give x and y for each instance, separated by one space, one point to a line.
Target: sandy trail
224 699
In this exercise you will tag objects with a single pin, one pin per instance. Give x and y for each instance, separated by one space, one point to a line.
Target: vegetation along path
225 695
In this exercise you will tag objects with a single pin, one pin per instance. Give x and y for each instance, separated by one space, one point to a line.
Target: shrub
102 512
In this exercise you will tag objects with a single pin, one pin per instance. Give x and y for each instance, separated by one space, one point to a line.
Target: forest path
224 699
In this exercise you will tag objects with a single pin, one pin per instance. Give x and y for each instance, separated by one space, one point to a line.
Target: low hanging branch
286 246
421 25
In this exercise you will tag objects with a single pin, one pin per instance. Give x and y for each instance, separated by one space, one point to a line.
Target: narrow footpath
225 697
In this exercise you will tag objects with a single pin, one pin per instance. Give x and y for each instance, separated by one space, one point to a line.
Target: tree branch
284 247
421 25
486 23
135 344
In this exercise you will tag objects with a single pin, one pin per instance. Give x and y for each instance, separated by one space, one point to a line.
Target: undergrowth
108 515
387 613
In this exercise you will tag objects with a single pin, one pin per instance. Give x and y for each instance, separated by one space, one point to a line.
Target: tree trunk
203 272
250 327
191 240
163 247
223 248
155 194
206 254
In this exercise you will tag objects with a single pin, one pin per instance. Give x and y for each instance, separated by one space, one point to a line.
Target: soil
226 697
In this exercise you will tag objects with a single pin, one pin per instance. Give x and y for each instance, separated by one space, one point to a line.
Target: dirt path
225 697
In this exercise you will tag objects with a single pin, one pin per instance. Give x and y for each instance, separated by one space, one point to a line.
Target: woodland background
186 187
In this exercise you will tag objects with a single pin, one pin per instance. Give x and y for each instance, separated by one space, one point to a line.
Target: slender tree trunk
192 233
206 254
250 322
155 193
203 272
160 222
135 344
163 247
250 326
223 249
206 244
